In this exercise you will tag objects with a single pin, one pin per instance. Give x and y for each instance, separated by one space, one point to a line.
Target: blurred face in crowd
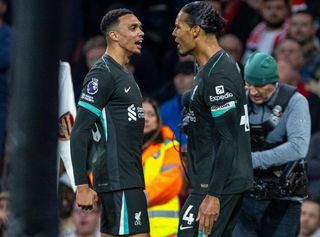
287 75
183 34
86 221
232 45
183 82
128 34
150 116
3 8
93 55
216 4
4 203
309 218
290 51
301 28
260 94
274 12
255 4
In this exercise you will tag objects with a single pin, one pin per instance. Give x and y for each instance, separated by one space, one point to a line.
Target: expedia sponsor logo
219 90
220 97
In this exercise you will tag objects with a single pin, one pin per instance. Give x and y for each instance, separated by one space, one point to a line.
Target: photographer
280 132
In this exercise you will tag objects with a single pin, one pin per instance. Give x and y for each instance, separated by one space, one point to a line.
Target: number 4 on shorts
188 217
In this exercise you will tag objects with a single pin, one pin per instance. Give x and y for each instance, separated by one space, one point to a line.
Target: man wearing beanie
280 132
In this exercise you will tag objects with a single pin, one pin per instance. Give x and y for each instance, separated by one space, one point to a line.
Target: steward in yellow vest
163 174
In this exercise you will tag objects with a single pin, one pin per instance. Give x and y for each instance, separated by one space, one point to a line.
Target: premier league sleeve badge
92 87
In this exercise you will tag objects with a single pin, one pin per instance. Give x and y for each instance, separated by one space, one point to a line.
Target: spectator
242 16
302 28
171 110
291 52
277 147
233 46
216 4
93 49
86 222
66 202
268 33
310 218
287 75
162 173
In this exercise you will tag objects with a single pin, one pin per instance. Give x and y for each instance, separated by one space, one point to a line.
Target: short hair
305 12
205 16
112 18
94 42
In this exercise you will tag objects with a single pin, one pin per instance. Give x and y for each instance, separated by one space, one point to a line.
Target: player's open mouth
139 43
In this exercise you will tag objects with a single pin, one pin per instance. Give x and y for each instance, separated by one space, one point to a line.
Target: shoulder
99 71
225 67
298 99
225 74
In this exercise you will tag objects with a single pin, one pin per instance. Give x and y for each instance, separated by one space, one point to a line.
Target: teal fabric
261 69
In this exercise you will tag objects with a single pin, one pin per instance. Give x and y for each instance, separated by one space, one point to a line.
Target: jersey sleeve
221 97
97 89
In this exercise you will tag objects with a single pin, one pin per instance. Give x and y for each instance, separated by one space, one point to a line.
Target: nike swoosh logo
185 227
126 90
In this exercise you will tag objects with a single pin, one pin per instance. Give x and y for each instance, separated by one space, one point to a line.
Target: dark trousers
268 218
229 209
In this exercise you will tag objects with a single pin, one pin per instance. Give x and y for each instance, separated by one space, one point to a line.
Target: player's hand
208 214
86 197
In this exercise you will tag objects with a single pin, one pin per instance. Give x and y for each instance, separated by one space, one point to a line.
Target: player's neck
118 55
205 50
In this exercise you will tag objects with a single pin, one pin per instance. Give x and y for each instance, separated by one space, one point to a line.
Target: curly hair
204 15
112 18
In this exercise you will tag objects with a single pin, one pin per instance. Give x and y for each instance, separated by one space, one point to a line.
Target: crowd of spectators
288 30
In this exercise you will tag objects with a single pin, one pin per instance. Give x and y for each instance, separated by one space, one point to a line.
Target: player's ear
195 31
113 35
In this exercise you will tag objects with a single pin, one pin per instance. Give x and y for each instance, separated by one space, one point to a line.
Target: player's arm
98 86
221 100
298 127
80 140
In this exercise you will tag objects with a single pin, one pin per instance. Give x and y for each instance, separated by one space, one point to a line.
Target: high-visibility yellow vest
164 218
